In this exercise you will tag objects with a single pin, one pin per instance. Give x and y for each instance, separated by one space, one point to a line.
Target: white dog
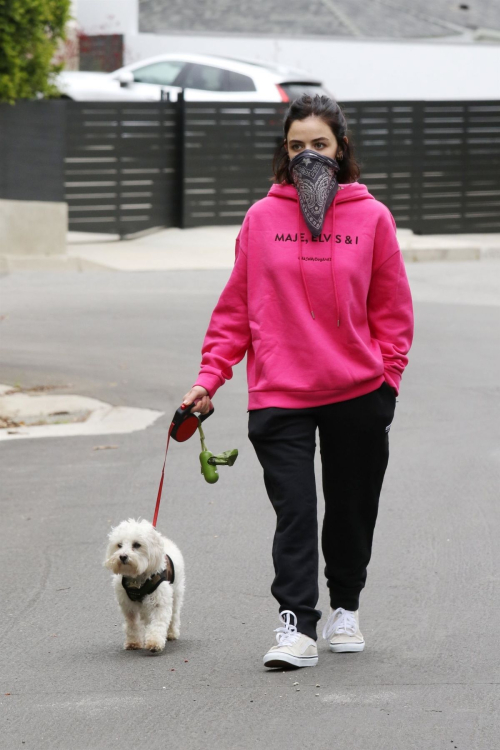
149 583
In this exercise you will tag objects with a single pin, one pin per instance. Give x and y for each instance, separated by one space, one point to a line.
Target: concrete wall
354 70
107 16
30 228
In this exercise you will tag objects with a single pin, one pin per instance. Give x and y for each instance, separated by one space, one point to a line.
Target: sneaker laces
340 622
287 635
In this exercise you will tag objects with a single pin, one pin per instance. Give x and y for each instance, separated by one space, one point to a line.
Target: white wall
354 70
106 16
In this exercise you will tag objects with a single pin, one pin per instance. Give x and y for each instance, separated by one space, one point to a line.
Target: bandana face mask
315 177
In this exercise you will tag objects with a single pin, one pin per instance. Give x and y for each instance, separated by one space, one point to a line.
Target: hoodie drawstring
337 306
302 265
332 264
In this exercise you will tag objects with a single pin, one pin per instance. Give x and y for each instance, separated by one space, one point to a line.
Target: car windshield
162 73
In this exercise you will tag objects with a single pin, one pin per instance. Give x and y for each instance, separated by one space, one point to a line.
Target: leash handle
160 488
185 423
180 417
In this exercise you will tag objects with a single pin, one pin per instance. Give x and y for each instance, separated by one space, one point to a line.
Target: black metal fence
228 152
32 151
122 166
436 165
126 167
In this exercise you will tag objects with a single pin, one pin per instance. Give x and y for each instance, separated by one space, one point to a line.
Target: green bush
30 32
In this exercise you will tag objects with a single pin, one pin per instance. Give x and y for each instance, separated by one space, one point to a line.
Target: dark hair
331 113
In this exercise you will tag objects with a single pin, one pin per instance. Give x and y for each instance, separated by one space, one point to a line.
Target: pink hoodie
322 320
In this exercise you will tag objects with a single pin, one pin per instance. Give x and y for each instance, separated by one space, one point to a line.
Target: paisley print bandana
315 177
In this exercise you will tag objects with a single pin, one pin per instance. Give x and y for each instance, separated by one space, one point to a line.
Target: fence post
181 157
119 223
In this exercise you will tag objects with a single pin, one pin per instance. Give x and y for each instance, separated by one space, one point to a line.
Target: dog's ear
156 549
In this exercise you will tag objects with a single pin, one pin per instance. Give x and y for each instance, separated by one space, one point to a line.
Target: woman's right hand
199 396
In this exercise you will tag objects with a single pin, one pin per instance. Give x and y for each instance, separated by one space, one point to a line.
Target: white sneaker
342 630
293 649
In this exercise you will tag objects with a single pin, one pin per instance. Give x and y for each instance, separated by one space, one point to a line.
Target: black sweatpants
354 444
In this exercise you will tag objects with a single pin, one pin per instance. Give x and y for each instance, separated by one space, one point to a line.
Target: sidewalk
213 248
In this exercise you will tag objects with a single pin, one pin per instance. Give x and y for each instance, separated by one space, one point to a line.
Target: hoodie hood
355 192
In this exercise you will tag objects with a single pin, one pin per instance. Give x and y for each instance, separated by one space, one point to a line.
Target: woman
319 300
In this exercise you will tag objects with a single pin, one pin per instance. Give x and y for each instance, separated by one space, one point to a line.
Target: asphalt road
429 677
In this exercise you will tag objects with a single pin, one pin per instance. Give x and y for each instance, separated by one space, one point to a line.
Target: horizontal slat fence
126 167
436 165
228 151
121 166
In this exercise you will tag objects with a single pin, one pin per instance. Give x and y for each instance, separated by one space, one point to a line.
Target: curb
39 415
12 263
473 252
58 263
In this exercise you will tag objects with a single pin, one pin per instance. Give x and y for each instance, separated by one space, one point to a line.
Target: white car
201 77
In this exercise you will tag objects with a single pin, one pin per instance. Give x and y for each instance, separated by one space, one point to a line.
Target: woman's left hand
199 396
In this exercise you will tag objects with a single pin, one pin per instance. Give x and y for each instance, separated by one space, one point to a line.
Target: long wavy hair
331 113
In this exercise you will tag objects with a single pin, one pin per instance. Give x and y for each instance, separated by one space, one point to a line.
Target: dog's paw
132 645
154 645
173 634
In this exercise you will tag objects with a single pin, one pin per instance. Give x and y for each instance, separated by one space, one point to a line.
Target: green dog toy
209 462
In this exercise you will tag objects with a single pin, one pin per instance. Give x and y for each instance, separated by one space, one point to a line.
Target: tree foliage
30 32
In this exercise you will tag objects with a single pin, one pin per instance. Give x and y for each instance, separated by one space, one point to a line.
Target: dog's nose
124 558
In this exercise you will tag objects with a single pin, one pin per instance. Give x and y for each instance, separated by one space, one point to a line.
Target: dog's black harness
137 593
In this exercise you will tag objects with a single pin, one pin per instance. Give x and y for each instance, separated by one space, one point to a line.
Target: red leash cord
158 499
183 426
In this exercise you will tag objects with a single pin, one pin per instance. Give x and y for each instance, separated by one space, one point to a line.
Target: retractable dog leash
183 426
